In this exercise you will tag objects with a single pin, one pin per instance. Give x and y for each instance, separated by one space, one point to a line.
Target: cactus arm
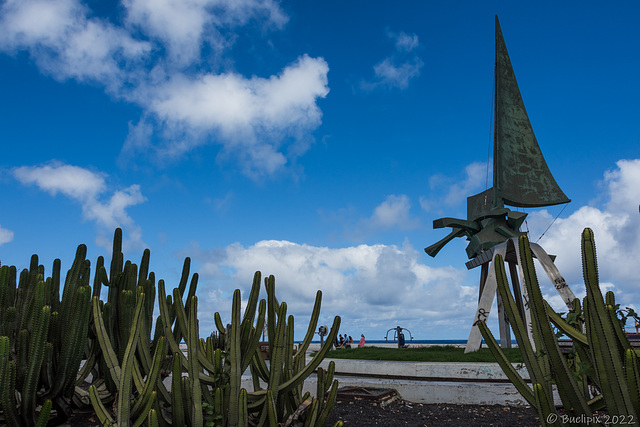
153 376
623 341
321 383
506 366
166 324
181 313
219 324
606 352
632 371
177 407
252 302
88 365
5 356
145 413
259 369
243 420
128 361
538 370
36 355
269 284
153 418
43 417
315 361
7 393
328 407
22 357
72 282
311 330
277 352
235 356
184 278
603 366
288 344
99 277
108 353
74 341
567 386
101 411
193 285
116 257
270 409
252 347
542 403
313 413
194 366
566 328
182 317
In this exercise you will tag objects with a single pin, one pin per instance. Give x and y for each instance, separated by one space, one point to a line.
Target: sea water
409 341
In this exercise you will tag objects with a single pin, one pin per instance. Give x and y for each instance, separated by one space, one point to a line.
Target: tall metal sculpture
521 178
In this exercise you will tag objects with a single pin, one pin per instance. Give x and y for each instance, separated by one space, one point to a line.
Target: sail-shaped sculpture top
521 176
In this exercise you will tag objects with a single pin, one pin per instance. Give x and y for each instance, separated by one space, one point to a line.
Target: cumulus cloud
154 58
67 44
183 27
393 212
372 287
5 235
376 287
450 191
616 224
253 116
399 68
86 188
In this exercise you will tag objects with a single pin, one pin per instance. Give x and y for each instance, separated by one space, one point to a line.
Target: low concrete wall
424 382
433 382
423 370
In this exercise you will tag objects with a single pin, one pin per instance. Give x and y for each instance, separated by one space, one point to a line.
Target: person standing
361 343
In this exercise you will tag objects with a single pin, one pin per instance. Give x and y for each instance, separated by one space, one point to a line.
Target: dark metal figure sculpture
398 335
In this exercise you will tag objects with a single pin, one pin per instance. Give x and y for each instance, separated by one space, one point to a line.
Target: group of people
346 341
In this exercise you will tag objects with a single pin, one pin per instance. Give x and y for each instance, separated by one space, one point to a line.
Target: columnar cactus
604 356
44 339
213 377
45 336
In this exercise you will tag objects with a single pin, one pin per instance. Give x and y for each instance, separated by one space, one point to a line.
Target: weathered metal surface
521 176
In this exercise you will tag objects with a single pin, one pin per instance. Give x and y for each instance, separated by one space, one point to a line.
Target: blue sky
316 141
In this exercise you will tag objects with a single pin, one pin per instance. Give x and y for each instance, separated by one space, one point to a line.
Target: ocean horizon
452 342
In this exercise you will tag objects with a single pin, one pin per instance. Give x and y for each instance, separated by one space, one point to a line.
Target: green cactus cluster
43 339
602 372
128 358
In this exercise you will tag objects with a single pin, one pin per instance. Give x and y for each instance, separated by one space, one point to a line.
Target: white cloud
86 188
393 212
455 190
617 233
72 181
184 26
372 287
475 174
398 69
404 41
5 235
66 43
252 116
153 59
